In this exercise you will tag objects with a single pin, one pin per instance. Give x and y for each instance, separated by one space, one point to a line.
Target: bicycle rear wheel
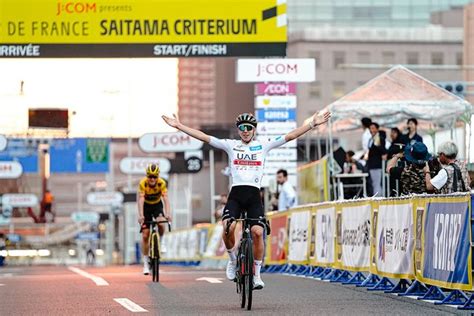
155 261
249 274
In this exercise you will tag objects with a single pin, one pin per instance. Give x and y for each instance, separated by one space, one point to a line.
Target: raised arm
174 122
316 119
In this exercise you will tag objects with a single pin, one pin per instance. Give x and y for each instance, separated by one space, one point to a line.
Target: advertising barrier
394 240
426 238
446 248
356 232
325 237
277 242
298 243
313 182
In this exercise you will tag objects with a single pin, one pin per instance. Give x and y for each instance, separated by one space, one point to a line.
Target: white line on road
6 275
98 280
131 306
2 284
210 280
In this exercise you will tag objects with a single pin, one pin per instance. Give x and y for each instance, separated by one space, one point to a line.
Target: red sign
275 88
279 239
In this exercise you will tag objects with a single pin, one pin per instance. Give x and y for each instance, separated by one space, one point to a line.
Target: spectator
351 165
287 194
377 153
453 177
412 136
412 174
397 145
365 121
220 208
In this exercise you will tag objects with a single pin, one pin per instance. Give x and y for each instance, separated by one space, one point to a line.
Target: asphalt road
61 290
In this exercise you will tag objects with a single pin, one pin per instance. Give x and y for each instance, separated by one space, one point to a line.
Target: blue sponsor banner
276 115
88 236
66 156
446 245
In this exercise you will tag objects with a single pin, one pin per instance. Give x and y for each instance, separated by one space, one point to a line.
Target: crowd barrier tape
424 238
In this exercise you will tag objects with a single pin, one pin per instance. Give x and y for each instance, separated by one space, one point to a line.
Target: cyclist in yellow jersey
152 195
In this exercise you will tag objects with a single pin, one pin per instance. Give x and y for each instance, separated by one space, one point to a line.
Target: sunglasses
245 128
152 177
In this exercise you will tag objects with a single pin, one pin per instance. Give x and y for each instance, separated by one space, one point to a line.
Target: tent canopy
393 97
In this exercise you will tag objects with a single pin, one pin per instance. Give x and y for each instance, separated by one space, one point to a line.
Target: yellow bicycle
155 254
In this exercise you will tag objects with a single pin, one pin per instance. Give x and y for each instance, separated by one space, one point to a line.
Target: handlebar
159 222
260 219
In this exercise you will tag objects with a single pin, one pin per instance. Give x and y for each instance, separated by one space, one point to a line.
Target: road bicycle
245 261
154 248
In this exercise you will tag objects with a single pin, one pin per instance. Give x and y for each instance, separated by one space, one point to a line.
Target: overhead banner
277 245
394 240
142 28
298 246
325 236
356 232
446 244
276 70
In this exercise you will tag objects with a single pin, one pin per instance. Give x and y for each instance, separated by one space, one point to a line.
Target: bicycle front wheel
249 273
155 261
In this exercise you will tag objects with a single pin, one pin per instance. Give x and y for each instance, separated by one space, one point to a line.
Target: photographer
412 174
454 177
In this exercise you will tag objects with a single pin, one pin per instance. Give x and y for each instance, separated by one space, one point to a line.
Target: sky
110 97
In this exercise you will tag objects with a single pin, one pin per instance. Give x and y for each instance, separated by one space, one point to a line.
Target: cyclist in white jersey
247 160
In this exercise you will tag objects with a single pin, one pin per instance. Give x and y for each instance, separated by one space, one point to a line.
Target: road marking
98 280
2 284
131 306
6 275
210 280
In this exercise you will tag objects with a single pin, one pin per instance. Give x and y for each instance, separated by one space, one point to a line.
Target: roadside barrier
424 241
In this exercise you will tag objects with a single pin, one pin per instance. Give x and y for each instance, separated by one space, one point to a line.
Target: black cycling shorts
151 211
244 198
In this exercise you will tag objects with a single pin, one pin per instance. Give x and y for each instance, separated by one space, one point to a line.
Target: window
437 58
339 58
459 59
338 89
412 58
388 58
315 89
363 57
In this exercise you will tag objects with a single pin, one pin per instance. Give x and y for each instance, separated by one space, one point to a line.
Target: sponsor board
89 217
298 240
275 102
325 236
104 198
137 165
271 167
446 245
355 233
20 200
275 88
266 138
142 28
276 115
281 154
278 242
275 128
276 70
394 240
10 169
168 142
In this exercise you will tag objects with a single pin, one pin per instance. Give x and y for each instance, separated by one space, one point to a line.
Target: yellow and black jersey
152 194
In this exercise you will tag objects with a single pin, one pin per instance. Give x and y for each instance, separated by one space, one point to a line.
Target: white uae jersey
247 161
